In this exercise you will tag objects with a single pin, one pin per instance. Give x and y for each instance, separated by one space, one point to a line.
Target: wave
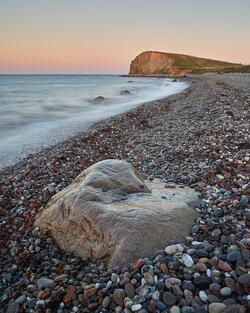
63 113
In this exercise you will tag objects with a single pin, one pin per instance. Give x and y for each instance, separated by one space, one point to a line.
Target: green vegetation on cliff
153 63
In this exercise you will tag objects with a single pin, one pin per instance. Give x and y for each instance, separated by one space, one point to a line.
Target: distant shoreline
63 106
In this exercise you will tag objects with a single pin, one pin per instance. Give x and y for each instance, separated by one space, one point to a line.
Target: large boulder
109 213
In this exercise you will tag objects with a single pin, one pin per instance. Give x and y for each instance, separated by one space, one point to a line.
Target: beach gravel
198 138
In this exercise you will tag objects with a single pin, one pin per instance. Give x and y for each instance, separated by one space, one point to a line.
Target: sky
104 36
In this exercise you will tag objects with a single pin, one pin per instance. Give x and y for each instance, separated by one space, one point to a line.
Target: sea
37 111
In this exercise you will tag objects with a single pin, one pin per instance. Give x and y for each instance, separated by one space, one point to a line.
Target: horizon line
62 73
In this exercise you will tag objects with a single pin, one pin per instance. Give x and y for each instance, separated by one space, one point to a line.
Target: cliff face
160 63
151 62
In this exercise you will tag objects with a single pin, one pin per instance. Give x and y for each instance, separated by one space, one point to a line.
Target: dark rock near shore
99 99
125 92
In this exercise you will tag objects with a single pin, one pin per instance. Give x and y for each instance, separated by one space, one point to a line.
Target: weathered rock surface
108 212
162 63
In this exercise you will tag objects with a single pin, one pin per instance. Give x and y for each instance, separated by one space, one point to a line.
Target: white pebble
203 296
174 249
136 307
208 272
187 260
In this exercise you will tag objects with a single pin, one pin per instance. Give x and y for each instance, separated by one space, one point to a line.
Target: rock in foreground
109 213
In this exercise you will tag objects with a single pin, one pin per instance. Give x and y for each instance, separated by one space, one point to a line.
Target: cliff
161 63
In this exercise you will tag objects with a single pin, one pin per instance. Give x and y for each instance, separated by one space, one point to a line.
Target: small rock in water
125 92
99 99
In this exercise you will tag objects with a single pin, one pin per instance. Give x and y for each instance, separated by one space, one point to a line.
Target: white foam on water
38 111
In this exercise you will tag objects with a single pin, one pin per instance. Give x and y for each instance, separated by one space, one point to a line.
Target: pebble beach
197 138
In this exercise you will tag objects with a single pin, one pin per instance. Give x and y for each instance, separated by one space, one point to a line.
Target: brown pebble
224 266
203 260
138 264
67 298
164 268
124 281
60 277
229 282
202 227
240 270
93 305
43 294
200 267
89 292
239 289
119 296
152 306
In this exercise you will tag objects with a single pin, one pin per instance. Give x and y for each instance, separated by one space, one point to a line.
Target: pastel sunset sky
103 36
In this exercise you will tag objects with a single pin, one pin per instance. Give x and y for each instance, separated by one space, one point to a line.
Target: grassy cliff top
154 62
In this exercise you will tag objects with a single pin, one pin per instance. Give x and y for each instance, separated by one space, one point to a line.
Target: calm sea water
39 110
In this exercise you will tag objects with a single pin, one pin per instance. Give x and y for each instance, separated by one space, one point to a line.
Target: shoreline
197 137
37 136
85 131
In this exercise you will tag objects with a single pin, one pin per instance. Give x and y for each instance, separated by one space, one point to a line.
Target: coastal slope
198 139
161 63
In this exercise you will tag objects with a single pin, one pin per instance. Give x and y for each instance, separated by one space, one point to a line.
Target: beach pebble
202 282
168 298
174 249
44 282
203 296
226 291
216 307
106 302
206 271
119 296
136 307
244 279
233 256
175 309
187 260
130 290
20 300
